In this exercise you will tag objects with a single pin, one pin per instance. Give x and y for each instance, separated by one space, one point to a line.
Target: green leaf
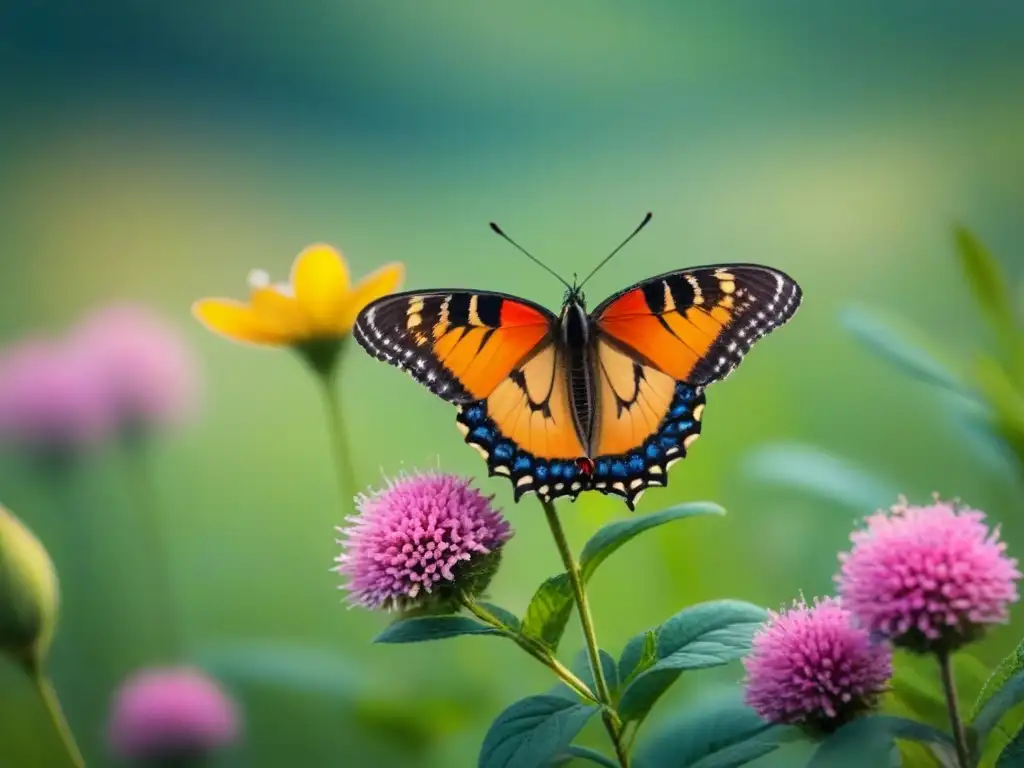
870 740
705 635
1006 402
898 346
722 734
826 476
292 666
998 704
987 282
583 753
533 731
420 629
612 536
1006 669
639 655
508 619
581 666
549 611
1012 755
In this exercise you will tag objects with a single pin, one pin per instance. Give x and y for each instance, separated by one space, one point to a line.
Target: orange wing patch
696 325
531 408
461 345
633 400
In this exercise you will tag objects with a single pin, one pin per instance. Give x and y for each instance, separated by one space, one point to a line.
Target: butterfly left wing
495 357
659 344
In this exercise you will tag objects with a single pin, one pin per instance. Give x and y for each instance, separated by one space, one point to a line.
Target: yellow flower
318 304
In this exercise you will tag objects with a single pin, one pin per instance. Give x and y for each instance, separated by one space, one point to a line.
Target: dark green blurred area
159 152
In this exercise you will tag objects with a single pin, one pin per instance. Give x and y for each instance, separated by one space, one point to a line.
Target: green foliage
581 666
987 282
718 734
571 752
549 611
1012 755
611 537
422 628
532 732
813 471
997 705
702 636
870 741
551 606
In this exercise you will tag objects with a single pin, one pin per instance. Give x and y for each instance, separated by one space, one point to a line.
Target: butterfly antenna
621 245
498 230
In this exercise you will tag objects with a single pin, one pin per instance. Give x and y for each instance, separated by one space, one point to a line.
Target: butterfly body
605 400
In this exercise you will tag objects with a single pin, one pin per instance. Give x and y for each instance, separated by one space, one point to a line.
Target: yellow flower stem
343 467
534 649
140 480
52 704
611 721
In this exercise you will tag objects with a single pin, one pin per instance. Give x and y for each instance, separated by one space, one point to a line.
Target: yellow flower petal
235 321
279 314
379 283
320 279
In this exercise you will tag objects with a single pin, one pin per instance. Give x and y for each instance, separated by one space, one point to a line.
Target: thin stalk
611 721
344 471
52 704
534 649
143 488
955 721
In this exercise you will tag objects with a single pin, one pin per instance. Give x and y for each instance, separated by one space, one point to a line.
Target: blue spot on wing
483 432
636 463
618 468
521 463
504 451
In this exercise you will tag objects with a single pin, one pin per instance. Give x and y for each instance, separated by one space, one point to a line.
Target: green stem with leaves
344 470
533 648
955 721
141 483
51 702
611 721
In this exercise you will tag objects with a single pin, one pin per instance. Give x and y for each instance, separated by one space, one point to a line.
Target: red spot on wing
585 466
515 313
630 303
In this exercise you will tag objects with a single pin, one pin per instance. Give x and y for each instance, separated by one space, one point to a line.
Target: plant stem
611 721
534 649
52 703
140 480
949 685
344 471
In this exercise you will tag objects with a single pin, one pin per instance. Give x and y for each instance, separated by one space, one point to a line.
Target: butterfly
605 400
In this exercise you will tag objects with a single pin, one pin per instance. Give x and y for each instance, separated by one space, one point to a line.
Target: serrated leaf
639 655
824 475
999 703
572 751
985 276
549 611
611 537
705 635
424 628
581 666
1012 755
870 740
533 731
723 734
1007 668
286 665
900 347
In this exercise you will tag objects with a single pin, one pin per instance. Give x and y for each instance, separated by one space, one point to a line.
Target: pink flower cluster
121 370
420 536
167 714
812 666
927 578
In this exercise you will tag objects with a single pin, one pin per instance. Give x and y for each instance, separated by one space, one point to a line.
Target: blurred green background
158 152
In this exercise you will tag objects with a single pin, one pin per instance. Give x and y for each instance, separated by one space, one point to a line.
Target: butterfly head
574 295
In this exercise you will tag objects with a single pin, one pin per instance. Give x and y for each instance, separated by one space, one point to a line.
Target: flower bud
29 593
